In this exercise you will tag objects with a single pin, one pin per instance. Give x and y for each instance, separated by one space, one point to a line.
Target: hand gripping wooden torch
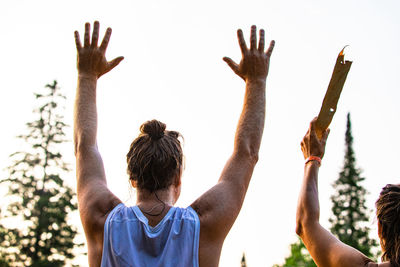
332 95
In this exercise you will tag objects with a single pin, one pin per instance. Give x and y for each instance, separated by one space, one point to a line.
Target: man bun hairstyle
155 157
388 214
155 129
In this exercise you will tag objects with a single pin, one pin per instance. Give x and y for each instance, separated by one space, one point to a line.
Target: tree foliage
299 256
38 233
350 213
243 261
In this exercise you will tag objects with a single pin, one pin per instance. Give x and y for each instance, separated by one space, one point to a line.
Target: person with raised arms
324 247
154 232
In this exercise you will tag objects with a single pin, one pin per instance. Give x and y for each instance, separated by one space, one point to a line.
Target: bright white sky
173 71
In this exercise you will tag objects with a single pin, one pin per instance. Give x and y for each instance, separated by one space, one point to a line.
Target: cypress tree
350 213
38 232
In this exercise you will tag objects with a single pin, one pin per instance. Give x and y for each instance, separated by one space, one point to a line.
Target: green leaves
299 256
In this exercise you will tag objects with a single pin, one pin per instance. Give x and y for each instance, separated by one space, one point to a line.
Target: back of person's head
388 214
155 157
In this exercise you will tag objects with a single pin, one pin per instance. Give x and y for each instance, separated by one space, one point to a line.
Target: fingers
270 48
261 42
105 41
231 64
78 41
303 149
87 35
95 36
113 63
242 42
253 41
253 38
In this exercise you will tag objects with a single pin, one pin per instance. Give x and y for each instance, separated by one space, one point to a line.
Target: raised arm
325 249
219 207
94 198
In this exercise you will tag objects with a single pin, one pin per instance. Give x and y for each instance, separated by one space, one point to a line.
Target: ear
178 180
133 183
379 229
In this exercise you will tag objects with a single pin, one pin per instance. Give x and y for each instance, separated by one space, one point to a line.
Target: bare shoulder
94 231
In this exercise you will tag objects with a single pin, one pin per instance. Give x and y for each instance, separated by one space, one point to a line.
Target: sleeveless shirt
129 240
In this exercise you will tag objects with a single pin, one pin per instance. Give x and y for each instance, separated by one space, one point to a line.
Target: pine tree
38 233
243 261
299 256
350 214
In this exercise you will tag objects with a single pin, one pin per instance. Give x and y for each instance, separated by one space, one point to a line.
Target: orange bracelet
313 158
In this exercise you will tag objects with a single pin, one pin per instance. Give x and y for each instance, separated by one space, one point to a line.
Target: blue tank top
129 240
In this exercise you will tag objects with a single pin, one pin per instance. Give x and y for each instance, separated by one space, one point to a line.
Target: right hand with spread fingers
91 57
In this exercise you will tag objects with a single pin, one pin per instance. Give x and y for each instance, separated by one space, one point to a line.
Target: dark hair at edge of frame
388 214
155 157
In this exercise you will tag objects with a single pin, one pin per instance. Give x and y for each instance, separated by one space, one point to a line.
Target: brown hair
155 157
388 214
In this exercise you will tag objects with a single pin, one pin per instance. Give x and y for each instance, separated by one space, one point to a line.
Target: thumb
312 131
325 135
231 64
113 63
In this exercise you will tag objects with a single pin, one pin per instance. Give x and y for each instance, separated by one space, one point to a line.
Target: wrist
256 80
314 160
87 76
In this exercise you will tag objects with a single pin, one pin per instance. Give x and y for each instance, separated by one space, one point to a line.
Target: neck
145 198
